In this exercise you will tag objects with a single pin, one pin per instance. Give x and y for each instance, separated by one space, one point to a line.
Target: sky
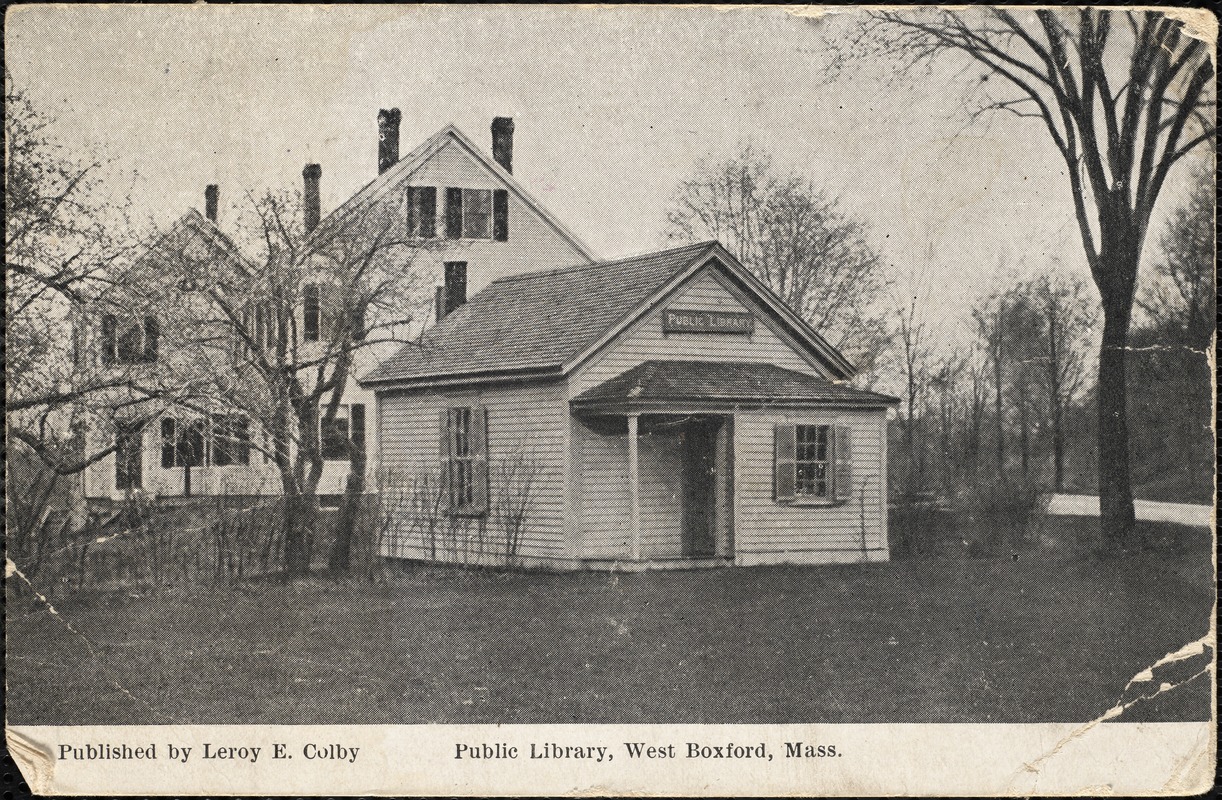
612 108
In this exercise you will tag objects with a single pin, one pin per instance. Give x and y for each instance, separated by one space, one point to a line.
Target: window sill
812 503
468 513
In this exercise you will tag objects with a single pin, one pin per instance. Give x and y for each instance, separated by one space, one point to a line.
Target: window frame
464 461
468 215
823 431
352 436
129 455
421 225
837 463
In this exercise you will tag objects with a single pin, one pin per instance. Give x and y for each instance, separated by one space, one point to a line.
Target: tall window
455 285
129 455
813 463
230 440
422 211
811 467
343 433
128 341
312 312
464 460
183 444
476 214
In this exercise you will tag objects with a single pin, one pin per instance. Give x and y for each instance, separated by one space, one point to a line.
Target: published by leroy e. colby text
462 751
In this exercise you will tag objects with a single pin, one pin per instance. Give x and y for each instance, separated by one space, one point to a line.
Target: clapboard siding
525 429
645 340
604 493
765 525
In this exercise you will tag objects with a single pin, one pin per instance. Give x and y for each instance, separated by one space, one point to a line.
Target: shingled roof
536 321
732 382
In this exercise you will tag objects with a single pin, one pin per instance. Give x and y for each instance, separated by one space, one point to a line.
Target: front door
699 439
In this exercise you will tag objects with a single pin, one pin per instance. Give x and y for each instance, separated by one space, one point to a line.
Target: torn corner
1199 23
35 764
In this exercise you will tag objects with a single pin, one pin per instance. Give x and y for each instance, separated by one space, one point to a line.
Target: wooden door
699 488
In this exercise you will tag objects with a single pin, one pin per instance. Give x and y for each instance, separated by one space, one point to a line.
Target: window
230 440
183 444
456 285
464 461
813 463
811 473
477 214
312 315
129 456
344 433
129 342
422 211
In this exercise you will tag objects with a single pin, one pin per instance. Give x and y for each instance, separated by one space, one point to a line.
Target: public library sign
680 320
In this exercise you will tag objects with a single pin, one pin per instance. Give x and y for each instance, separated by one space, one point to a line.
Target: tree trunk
1115 483
296 523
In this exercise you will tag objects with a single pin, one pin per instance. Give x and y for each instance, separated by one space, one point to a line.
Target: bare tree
286 332
1182 294
1067 317
69 251
794 237
1124 95
914 340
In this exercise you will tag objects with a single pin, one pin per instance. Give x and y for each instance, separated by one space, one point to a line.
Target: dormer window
477 214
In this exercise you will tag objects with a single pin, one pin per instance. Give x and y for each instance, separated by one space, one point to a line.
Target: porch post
634 488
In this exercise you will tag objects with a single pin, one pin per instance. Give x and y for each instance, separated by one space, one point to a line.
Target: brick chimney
212 195
502 142
313 208
388 139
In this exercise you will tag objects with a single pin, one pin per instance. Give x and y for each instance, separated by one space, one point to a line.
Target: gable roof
701 381
549 322
450 135
190 226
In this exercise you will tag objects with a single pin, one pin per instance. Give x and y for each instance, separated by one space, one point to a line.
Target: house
654 411
469 222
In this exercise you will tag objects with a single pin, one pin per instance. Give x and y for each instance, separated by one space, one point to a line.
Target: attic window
477 214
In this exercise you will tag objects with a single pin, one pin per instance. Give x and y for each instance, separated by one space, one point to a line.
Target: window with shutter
812 463
130 346
230 440
500 215
477 214
334 436
465 461
356 420
312 312
358 321
455 285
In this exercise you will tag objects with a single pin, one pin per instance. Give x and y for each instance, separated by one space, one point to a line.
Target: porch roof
654 382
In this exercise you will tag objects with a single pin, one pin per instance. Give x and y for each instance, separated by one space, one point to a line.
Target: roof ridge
597 264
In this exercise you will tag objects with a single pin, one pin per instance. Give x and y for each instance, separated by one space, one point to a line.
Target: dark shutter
356 426
167 442
428 211
479 461
311 303
110 330
358 321
443 450
784 455
500 215
241 435
453 213
843 451
152 336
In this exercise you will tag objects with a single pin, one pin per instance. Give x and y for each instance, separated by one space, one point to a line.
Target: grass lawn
939 640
